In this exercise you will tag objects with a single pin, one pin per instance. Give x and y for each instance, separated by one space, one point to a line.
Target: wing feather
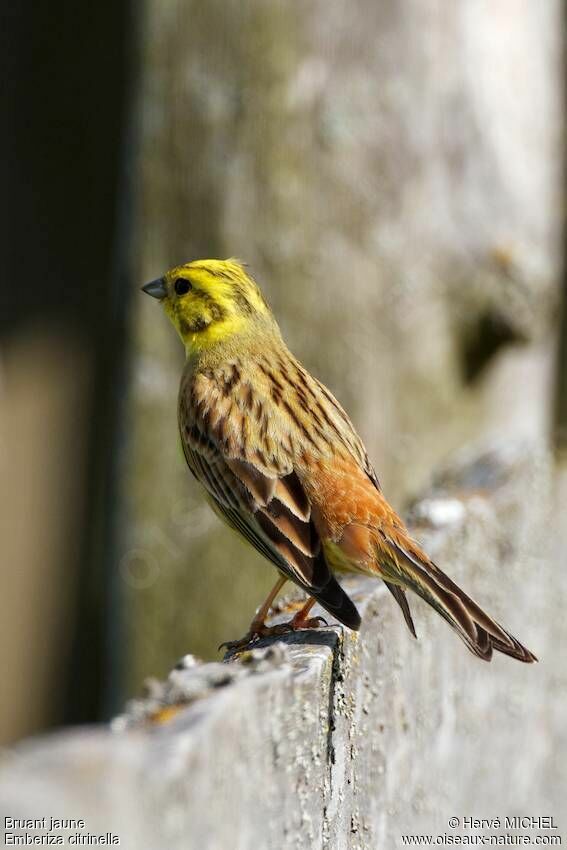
253 485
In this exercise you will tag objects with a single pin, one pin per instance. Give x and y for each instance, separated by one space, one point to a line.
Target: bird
282 464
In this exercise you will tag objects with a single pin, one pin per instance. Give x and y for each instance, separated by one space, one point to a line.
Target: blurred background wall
391 171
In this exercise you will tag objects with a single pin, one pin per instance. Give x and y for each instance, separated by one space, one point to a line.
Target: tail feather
333 599
480 633
399 595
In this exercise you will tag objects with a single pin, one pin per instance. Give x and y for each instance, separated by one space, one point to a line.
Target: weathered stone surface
333 740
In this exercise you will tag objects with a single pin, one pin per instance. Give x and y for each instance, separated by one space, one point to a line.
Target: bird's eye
182 286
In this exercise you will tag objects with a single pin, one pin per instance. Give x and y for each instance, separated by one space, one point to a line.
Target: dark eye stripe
182 286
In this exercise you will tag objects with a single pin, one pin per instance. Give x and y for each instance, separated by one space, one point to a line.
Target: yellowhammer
282 463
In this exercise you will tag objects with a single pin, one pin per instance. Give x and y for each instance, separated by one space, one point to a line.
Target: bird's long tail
407 567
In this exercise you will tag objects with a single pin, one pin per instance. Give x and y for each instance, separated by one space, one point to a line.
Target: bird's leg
302 621
258 623
258 626
259 629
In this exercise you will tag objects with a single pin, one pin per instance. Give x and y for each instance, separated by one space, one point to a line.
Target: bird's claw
256 634
312 623
231 645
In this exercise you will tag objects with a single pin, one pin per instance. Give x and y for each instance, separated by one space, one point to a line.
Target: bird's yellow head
209 301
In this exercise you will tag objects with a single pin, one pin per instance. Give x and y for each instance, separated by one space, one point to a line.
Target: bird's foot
241 643
300 622
258 631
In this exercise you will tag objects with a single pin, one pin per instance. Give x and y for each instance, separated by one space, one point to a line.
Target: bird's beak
156 288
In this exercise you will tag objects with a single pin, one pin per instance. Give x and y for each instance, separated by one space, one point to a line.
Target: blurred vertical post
62 329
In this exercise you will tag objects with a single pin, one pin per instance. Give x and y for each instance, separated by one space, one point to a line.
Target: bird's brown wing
254 486
345 430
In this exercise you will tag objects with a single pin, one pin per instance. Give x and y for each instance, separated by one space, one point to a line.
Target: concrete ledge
330 739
